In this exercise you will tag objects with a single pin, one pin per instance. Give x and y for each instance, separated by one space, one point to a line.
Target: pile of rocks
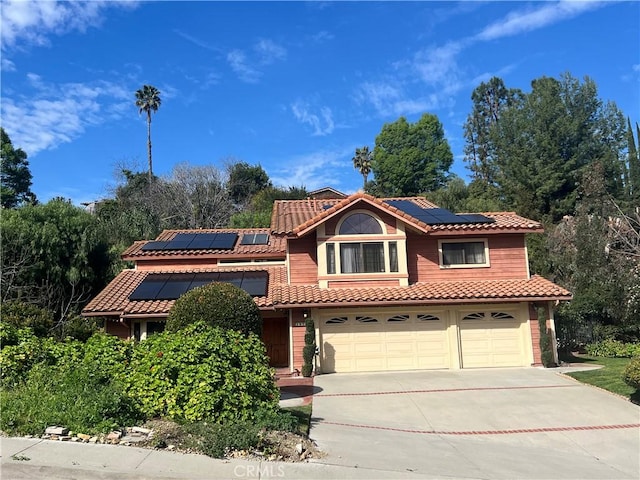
126 436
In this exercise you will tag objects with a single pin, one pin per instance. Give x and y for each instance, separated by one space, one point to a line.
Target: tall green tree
258 212
148 101
545 142
15 176
362 163
54 255
411 158
245 181
490 99
634 164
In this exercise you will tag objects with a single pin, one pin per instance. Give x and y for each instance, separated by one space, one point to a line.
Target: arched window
360 224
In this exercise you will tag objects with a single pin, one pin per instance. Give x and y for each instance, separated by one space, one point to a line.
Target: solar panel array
255 239
195 241
437 216
170 286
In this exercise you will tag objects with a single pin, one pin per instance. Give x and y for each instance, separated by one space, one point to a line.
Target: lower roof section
114 299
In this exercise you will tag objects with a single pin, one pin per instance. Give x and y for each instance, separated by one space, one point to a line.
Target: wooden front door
275 335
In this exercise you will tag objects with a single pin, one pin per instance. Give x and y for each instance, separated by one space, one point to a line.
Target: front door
275 335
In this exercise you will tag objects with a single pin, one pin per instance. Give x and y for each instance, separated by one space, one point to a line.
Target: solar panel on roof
154 246
149 287
437 216
202 241
255 239
224 241
175 286
162 286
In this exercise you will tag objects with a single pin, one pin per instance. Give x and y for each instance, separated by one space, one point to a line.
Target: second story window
463 254
362 257
360 224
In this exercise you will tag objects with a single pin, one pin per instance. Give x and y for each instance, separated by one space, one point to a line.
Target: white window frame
399 237
464 265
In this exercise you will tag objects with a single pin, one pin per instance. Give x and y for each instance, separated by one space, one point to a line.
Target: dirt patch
274 445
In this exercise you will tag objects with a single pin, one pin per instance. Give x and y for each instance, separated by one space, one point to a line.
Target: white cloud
532 19
265 52
322 124
437 67
322 36
30 22
315 170
390 100
56 114
268 51
239 64
8 65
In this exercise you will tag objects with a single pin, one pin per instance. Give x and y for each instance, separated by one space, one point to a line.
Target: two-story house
391 284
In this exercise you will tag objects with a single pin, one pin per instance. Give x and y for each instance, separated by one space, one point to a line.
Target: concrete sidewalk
24 458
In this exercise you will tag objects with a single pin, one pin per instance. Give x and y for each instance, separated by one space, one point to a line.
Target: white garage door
380 340
492 339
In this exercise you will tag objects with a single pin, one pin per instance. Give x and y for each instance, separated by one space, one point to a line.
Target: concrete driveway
523 423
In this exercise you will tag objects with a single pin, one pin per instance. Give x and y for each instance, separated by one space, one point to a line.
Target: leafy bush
216 440
202 373
16 361
631 374
108 354
21 315
78 328
74 396
218 304
546 345
613 348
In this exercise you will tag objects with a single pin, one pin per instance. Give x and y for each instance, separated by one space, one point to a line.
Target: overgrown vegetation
216 383
218 304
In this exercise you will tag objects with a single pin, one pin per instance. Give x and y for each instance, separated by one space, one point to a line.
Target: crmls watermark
259 471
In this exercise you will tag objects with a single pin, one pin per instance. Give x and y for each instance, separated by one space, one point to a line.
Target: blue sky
293 86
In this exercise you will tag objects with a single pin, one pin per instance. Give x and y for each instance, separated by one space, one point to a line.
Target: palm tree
148 100
362 162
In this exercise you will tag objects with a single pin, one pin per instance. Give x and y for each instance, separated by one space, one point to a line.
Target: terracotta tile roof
536 288
504 221
294 216
114 299
300 216
275 247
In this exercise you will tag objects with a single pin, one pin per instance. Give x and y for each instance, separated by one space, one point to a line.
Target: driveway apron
490 423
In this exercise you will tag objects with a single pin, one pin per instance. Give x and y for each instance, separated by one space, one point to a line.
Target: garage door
492 339
379 340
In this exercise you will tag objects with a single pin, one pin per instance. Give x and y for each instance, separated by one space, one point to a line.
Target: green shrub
73 396
202 373
218 304
613 348
631 374
108 354
16 361
78 328
546 344
216 440
309 349
21 315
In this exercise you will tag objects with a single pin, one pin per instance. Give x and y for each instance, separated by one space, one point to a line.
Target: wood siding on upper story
389 221
507 259
303 261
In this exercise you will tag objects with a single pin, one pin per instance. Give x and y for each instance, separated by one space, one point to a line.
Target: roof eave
349 202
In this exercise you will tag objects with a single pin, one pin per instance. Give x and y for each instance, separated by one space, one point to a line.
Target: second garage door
379 340
492 339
